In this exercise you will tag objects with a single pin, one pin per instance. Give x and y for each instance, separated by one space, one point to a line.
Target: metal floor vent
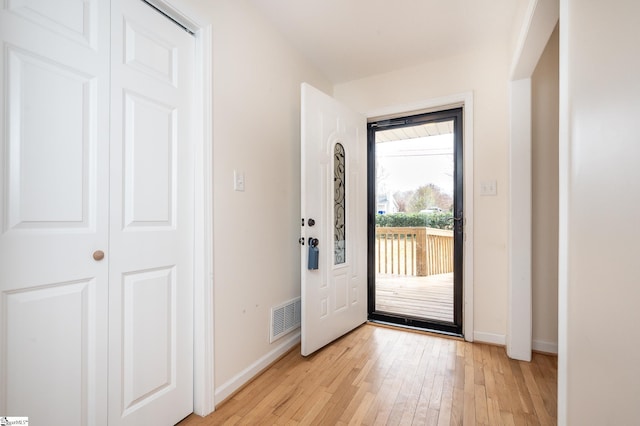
284 318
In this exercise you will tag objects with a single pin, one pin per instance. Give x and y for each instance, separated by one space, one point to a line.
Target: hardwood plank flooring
383 376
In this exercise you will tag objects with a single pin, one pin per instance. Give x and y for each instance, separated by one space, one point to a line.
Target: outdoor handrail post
421 252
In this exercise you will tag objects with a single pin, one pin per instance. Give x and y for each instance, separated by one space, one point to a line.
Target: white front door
151 234
54 139
334 212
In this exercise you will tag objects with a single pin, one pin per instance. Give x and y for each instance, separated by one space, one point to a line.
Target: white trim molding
203 297
546 347
491 338
519 315
501 340
540 20
203 345
466 101
565 182
236 382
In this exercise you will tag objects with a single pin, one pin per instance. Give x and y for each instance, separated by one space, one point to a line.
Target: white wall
599 278
485 72
544 167
256 130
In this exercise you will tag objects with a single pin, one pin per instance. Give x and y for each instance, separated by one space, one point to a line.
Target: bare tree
427 197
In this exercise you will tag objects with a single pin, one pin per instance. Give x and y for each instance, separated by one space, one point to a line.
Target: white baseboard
494 339
548 347
236 382
500 339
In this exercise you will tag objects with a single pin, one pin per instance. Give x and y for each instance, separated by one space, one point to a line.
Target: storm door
415 205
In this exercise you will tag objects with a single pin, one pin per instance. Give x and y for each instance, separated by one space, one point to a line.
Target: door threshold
421 330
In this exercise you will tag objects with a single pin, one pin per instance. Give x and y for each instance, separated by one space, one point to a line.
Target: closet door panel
54 138
152 196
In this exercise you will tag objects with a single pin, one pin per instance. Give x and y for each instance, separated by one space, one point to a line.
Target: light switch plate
488 187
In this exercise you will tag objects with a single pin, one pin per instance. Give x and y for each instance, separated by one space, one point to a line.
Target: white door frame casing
203 341
437 104
519 315
540 20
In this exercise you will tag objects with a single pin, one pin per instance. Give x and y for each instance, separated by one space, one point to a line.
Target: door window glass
339 204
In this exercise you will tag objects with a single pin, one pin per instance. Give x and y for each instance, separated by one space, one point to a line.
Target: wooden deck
428 297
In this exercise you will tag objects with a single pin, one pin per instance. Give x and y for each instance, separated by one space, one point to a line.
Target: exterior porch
428 297
414 272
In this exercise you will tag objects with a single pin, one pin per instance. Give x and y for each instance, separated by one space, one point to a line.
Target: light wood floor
382 376
424 297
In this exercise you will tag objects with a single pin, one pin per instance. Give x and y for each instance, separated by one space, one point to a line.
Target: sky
409 164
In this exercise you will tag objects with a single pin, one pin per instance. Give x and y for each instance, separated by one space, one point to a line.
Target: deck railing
417 251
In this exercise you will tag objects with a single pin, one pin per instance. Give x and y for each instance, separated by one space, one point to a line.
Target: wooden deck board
424 297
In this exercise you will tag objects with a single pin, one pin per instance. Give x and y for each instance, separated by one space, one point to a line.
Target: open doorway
416 232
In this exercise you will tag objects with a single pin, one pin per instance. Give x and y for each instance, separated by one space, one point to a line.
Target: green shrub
440 220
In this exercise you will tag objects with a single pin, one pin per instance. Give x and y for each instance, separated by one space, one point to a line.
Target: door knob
311 222
98 255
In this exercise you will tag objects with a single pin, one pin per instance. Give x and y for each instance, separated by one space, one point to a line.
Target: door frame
464 100
454 115
203 291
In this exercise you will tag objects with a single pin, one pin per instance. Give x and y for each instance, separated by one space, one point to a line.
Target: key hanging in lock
314 254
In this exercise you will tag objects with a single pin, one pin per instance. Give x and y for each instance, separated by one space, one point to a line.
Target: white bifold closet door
151 237
96 213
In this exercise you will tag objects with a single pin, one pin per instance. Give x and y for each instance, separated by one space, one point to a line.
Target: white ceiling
413 132
351 39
